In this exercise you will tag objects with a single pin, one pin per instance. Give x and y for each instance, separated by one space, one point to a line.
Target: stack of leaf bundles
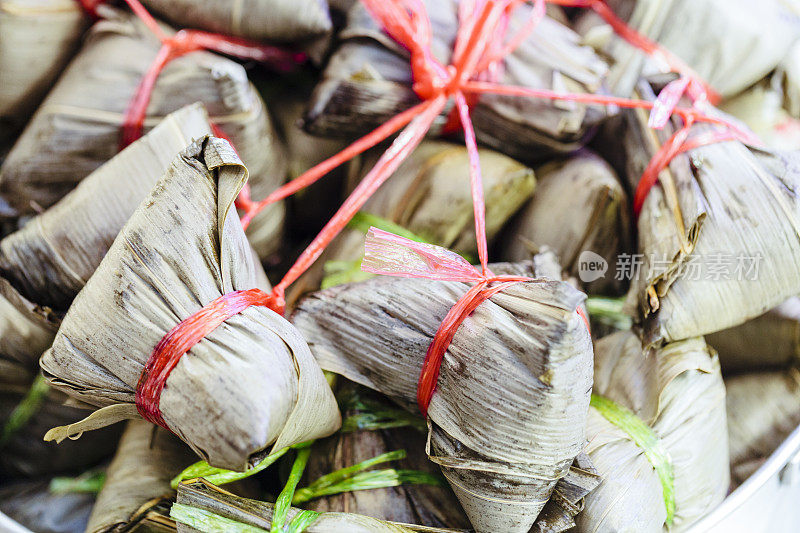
78 126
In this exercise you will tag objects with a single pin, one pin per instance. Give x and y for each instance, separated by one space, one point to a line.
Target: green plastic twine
27 407
284 500
647 440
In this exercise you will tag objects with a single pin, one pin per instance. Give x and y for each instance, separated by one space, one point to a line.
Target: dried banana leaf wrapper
744 43
763 409
585 196
78 126
369 77
678 392
312 206
24 453
422 504
249 383
32 505
37 40
429 195
138 479
770 341
24 335
50 259
719 235
526 353
264 20
206 497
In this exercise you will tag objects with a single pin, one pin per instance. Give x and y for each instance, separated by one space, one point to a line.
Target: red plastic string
182 43
90 6
180 340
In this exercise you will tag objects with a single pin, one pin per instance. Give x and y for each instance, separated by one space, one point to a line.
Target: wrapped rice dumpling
50 259
657 436
248 384
78 126
37 40
579 205
763 409
744 43
369 77
525 352
429 195
32 505
312 206
136 494
202 506
263 20
718 234
769 341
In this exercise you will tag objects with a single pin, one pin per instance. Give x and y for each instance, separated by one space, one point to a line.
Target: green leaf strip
209 522
27 407
647 440
284 500
220 476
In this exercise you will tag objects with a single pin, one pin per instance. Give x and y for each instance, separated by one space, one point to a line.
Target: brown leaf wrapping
24 335
310 208
722 209
678 392
77 128
584 195
37 40
770 341
369 77
526 353
50 259
204 495
250 383
762 412
271 20
138 479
